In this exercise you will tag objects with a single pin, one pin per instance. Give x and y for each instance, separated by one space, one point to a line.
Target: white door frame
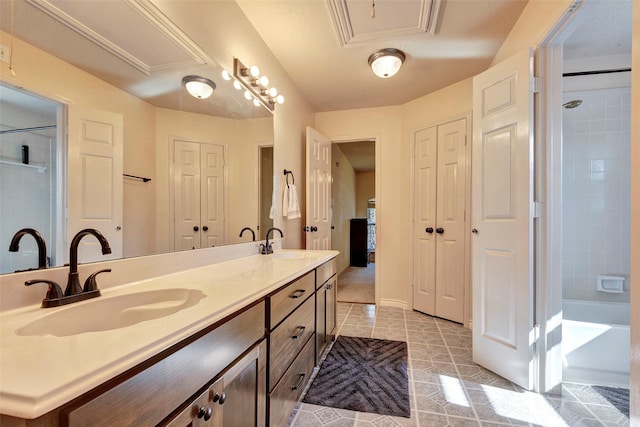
548 189
379 203
225 196
467 318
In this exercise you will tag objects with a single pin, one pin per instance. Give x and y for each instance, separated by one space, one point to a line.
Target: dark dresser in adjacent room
358 241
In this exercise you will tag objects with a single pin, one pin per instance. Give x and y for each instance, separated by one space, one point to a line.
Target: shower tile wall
26 193
596 192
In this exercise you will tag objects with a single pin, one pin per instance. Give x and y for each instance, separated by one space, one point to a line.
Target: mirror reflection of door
198 189
29 180
266 176
95 184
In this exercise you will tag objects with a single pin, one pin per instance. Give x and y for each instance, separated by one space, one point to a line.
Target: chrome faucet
253 233
42 246
73 284
267 248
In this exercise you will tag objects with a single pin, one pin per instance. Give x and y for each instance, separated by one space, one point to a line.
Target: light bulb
264 81
236 84
280 99
254 71
256 102
226 75
247 94
273 92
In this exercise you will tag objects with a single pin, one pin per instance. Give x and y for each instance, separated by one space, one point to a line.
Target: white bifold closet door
439 220
198 188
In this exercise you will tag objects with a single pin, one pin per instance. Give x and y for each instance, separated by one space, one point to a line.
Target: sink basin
288 255
103 314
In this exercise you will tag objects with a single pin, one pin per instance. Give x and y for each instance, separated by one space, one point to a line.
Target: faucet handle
54 291
91 284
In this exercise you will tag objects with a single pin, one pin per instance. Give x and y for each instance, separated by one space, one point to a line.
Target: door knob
474 231
429 230
439 230
205 413
314 228
205 228
196 228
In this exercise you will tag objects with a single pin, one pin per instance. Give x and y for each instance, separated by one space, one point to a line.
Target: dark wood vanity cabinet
153 394
247 370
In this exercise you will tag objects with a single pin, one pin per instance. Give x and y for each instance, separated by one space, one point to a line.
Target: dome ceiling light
386 62
198 87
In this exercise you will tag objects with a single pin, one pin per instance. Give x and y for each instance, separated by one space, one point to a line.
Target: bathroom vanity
233 343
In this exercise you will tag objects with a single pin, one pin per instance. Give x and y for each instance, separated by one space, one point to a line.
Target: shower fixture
572 104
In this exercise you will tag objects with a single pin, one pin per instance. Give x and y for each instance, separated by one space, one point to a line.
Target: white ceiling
309 41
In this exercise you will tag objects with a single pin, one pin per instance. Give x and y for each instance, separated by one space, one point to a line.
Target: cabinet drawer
325 271
284 397
288 338
147 397
286 300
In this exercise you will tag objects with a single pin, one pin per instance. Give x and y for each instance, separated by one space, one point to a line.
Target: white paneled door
198 194
439 220
95 180
502 221
318 191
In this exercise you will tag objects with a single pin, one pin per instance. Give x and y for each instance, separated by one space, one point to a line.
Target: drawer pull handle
297 294
300 382
299 334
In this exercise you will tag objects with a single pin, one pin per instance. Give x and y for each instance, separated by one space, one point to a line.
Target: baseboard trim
394 303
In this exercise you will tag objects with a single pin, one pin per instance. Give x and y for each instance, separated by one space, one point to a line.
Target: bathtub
595 342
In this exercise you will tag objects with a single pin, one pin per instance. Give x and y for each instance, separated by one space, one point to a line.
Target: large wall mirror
89 69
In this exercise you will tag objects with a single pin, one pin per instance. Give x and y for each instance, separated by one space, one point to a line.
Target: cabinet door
241 392
326 299
321 331
331 289
236 399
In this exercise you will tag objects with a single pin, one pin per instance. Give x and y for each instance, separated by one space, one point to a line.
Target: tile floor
447 388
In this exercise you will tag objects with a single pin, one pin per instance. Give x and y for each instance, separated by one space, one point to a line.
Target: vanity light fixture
386 62
198 87
256 86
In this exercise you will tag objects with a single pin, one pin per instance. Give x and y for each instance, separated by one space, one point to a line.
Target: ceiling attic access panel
353 23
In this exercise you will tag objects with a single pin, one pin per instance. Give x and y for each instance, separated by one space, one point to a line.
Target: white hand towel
285 201
293 205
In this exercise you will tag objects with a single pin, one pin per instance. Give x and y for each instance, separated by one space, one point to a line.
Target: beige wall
343 204
393 126
392 172
289 132
635 220
67 84
365 189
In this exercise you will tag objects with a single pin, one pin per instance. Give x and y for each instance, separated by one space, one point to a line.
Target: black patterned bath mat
365 375
618 397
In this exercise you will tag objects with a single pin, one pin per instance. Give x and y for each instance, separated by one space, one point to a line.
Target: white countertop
40 373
